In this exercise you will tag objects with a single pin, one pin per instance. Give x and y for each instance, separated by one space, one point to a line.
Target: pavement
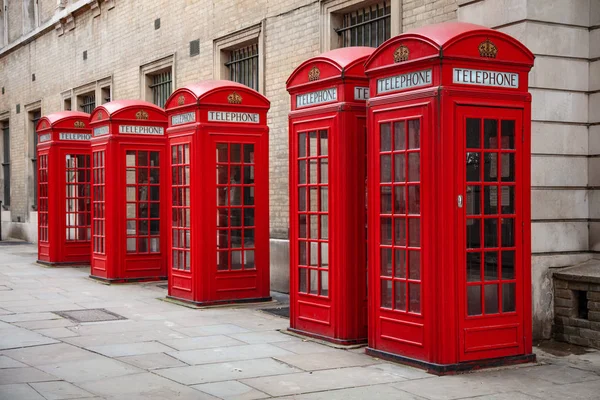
160 350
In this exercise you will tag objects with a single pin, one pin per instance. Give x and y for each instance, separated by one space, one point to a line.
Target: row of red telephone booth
434 124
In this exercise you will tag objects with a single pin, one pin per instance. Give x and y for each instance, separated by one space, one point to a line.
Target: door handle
459 201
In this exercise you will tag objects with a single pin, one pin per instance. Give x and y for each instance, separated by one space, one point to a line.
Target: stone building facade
74 54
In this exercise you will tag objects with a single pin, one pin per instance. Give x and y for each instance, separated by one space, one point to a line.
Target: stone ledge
587 272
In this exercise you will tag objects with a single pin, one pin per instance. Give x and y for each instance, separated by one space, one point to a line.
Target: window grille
88 103
243 66
367 26
161 87
6 163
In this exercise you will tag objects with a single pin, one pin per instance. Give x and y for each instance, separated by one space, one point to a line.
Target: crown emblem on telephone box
488 49
401 54
141 115
234 98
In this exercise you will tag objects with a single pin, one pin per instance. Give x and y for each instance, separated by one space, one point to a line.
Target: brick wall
577 312
416 13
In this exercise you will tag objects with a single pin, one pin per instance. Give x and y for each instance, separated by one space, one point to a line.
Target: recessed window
106 94
157 81
243 65
5 162
367 26
582 307
34 117
87 102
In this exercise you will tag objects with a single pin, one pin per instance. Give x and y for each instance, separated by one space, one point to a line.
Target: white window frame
223 46
332 12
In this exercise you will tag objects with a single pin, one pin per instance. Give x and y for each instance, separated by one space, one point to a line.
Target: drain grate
91 315
283 312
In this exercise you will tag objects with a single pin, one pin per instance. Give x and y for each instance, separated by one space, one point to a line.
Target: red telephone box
63 192
449 198
219 161
328 266
129 192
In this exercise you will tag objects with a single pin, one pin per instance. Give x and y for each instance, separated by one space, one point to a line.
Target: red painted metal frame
442 338
337 226
55 247
202 278
112 233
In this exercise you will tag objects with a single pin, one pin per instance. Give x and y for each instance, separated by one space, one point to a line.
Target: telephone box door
399 171
310 230
241 194
490 220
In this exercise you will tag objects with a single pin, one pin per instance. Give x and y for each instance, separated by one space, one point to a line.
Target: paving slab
24 375
306 382
50 354
18 337
363 392
89 370
202 342
300 346
130 349
231 390
146 386
226 371
19 392
210 330
56 333
339 359
121 338
45 324
560 374
7 362
505 396
581 391
152 361
262 337
222 354
60 390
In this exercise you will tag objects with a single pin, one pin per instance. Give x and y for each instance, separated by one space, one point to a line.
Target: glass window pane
400 135
386 294
130 176
490 173
324 255
386 168
508 134
324 227
142 159
302 281
235 155
222 261
400 231
399 263
414 199
473 171
154 159
142 175
508 232
155 175
414 132
508 167
130 158
491 233
490 266
386 231
249 259
324 199
473 300
324 283
222 153
248 153
323 143
131 210
385 138
131 245
414 265
508 264
302 199
312 144
314 281
312 171
324 169
302 253
399 174
473 234
386 262
415 297
400 295
473 134
508 297
302 145
399 199
414 167
313 228
507 199
142 245
302 226
490 203
414 232
473 267
248 195
491 299
313 201
473 200
490 133
386 200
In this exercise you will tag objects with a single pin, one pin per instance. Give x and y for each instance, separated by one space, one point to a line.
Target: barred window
6 161
161 87
367 26
34 117
243 66
87 102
